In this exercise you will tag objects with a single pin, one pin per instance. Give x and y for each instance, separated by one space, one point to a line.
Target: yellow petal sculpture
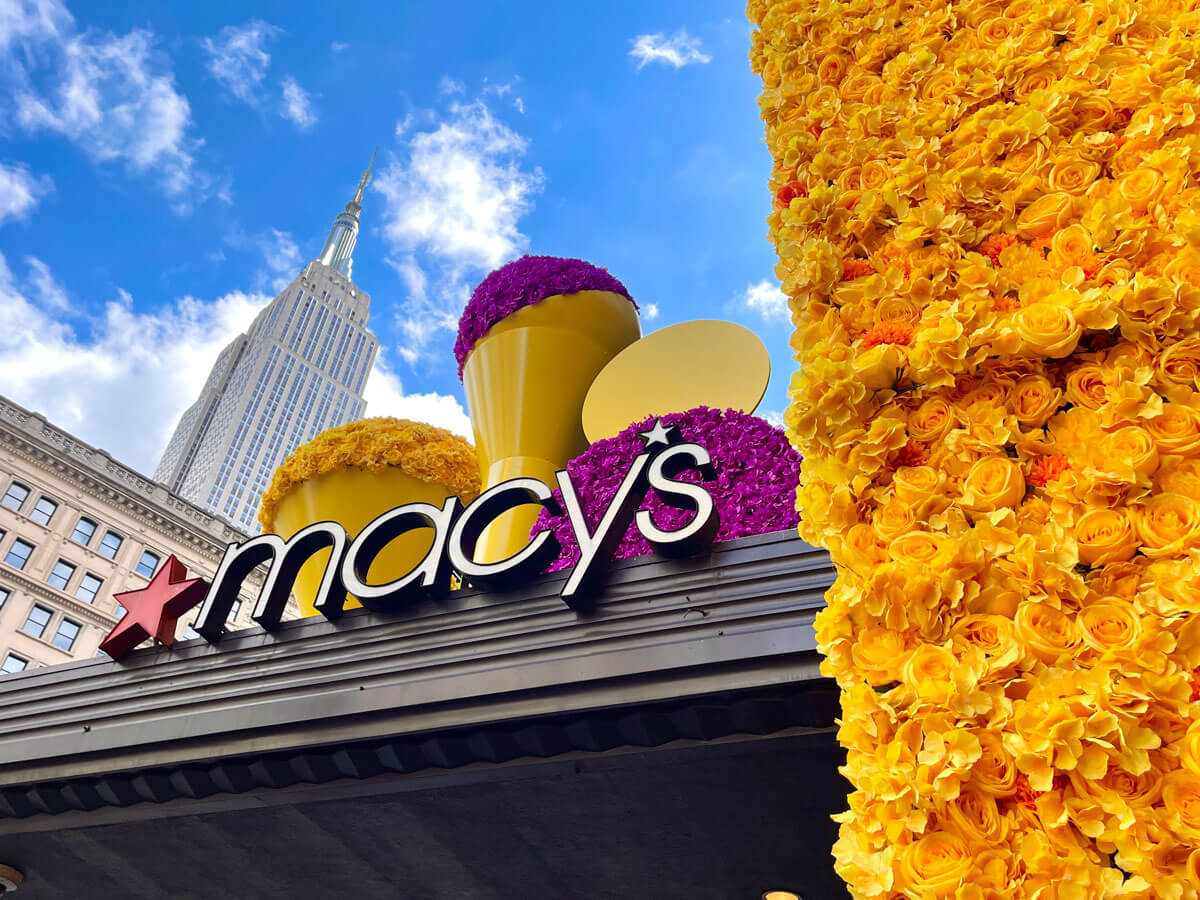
355 472
531 341
987 216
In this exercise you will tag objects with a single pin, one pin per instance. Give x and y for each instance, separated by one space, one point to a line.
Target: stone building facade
76 527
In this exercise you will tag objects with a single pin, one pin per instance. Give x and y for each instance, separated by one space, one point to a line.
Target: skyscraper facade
299 369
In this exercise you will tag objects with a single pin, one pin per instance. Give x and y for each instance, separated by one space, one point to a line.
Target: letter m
286 558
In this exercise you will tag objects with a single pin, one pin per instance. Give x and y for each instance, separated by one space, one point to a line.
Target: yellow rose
976 817
1094 112
1176 430
1033 400
833 68
879 654
995 772
990 393
935 865
1168 524
1193 868
931 420
1182 477
1189 749
1047 329
1105 536
1141 187
1135 446
1073 176
1180 363
874 175
1046 214
917 484
1121 786
896 310
1111 624
880 367
991 483
894 518
1086 386
929 671
1181 799
1049 633
991 633
924 548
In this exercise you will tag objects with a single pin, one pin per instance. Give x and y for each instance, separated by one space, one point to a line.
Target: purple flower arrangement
757 472
524 282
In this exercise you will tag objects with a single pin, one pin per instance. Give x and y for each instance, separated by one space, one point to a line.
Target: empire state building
297 371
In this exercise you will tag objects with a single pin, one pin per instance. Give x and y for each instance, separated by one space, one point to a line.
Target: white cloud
339 47
49 292
113 95
774 416
766 299
123 385
19 188
297 105
238 57
452 207
385 397
448 86
281 256
650 312
678 50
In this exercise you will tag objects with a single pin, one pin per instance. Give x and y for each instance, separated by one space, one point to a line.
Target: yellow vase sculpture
356 472
525 382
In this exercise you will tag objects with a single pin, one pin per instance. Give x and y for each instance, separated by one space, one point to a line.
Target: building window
18 554
4 592
64 638
37 620
235 609
13 663
147 564
119 611
189 632
89 587
110 544
43 510
14 497
84 529
60 575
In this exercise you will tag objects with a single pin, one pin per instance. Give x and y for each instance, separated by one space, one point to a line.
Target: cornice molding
60 599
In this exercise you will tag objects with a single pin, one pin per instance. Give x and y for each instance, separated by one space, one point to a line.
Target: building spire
339 246
362 182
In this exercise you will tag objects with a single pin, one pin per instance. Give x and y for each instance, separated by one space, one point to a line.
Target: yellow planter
525 382
353 497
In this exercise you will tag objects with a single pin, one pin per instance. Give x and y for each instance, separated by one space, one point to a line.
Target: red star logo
155 609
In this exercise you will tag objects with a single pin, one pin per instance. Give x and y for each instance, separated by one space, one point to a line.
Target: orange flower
1046 468
855 268
911 454
995 244
888 333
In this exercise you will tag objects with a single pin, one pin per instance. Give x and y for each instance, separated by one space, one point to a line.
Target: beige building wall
76 527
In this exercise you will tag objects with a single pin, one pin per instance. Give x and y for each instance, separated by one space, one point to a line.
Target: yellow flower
1046 215
935 865
929 672
931 420
1181 800
1048 632
1180 364
1105 536
879 654
1177 430
993 482
1168 524
1134 446
1086 386
995 772
1047 329
422 451
1111 624
1034 400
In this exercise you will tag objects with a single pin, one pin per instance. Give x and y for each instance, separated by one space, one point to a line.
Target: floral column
988 225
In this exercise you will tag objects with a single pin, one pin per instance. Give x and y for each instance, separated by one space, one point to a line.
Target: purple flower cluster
524 282
755 491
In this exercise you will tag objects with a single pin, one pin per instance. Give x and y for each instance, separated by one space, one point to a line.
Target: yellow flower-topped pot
355 472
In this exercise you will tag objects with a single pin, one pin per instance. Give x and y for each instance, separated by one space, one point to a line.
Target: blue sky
165 168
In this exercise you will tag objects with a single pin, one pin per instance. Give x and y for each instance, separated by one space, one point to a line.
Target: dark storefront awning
677 742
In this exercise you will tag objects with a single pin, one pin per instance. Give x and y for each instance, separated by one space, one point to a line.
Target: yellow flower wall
988 225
